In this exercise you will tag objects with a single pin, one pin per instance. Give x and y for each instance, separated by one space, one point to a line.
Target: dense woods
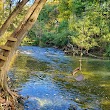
70 25
74 24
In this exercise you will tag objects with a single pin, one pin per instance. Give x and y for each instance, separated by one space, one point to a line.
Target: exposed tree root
10 101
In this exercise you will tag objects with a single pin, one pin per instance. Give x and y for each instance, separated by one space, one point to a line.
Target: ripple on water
44 76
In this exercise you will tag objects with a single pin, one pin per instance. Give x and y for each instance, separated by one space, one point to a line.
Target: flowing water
43 76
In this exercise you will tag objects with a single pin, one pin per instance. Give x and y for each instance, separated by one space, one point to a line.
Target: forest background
71 25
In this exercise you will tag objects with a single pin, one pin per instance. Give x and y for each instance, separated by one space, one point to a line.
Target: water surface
43 75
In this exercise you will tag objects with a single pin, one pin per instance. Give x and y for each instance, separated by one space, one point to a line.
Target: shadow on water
44 76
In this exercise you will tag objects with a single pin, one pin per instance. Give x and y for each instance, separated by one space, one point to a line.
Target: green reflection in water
24 67
96 83
93 91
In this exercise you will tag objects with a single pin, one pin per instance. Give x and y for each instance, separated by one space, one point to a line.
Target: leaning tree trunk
18 35
11 17
28 15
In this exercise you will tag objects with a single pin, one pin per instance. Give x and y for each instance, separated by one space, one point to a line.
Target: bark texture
18 34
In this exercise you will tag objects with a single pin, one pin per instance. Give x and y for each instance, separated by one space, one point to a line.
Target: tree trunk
30 11
18 34
11 17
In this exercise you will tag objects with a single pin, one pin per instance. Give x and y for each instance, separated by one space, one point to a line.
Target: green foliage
107 51
61 39
85 21
92 27
3 39
32 34
63 26
26 41
47 13
51 39
47 40
84 31
31 38
48 31
1 4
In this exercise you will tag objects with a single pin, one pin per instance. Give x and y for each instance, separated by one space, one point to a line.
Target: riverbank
8 103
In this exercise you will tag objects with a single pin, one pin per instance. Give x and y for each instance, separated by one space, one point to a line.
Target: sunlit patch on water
27 52
44 76
43 94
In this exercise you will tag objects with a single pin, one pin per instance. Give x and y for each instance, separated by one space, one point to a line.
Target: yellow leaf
1 4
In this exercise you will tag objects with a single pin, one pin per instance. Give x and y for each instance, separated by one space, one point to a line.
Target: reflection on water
44 76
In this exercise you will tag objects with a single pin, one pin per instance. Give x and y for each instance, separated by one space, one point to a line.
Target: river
43 76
